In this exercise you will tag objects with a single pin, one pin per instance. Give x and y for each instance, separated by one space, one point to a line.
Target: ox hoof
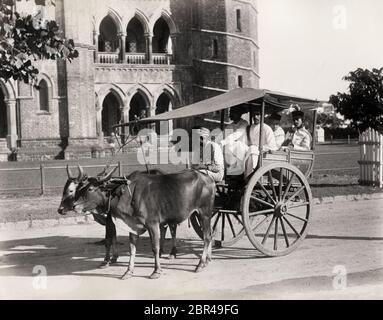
127 275
104 265
200 268
113 260
155 275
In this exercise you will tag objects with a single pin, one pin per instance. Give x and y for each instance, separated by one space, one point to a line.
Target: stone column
173 37
125 119
99 132
12 127
149 48
122 39
95 40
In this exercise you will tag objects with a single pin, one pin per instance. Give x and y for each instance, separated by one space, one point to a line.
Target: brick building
136 58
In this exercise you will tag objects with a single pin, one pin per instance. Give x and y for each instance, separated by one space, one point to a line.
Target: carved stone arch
140 17
8 107
115 89
171 92
113 15
8 90
147 95
109 109
162 13
48 79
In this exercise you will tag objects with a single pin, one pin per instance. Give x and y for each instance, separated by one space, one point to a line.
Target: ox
100 214
153 201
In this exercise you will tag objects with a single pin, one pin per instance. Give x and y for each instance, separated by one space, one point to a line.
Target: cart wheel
227 222
276 208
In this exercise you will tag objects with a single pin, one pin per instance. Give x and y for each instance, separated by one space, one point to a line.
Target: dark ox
152 201
100 214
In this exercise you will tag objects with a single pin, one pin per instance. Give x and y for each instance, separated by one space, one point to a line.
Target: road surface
342 258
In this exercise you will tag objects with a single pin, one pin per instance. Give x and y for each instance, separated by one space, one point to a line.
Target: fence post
42 176
119 169
348 139
331 139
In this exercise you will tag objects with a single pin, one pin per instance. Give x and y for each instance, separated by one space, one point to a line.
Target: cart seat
303 160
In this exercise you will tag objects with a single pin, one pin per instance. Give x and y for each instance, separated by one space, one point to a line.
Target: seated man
268 143
235 142
299 138
279 134
207 155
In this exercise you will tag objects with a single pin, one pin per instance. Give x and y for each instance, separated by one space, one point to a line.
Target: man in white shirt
207 156
279 134
299 138
235 142
268 143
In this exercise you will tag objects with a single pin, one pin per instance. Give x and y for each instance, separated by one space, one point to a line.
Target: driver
207 155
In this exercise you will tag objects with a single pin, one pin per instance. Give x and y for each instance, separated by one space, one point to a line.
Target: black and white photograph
182 150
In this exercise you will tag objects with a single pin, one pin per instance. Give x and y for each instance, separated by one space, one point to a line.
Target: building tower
225 46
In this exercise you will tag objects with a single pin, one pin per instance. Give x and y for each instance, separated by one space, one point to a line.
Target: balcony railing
107 57
162 58
134 58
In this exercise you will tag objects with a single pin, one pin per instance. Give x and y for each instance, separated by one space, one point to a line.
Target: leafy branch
26 39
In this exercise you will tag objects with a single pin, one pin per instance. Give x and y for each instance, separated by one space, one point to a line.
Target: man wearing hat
299 138
207 155
279 134
235 142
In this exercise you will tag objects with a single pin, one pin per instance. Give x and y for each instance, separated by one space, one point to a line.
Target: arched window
238 16
240 81
161 37
108 39
215 48
44 96
135 38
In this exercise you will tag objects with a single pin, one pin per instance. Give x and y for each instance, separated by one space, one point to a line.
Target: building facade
137 58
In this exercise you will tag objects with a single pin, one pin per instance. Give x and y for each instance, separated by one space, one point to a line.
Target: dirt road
341 258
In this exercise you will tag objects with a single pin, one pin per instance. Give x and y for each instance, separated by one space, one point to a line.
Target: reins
121 146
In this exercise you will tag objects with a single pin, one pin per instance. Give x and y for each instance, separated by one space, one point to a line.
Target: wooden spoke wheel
276 207
227 222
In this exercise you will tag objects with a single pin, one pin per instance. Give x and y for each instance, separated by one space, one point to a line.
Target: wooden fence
371 158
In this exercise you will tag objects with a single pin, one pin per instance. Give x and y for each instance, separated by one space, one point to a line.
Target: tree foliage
26 39
329 120
363 104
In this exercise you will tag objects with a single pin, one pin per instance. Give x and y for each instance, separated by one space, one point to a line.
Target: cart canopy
274 102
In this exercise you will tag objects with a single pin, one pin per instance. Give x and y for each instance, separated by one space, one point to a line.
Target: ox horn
108 176
69 172
80 172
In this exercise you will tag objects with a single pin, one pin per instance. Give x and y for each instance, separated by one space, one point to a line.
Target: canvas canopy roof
275 101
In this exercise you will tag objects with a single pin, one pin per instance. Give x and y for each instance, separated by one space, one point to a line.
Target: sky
308 46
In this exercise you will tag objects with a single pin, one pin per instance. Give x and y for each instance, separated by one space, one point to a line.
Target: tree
363 104
329 120
25 39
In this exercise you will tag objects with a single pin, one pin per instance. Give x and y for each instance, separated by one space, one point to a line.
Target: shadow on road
62 255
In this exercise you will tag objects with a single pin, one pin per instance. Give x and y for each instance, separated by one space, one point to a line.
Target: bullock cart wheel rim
277 205
226 222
